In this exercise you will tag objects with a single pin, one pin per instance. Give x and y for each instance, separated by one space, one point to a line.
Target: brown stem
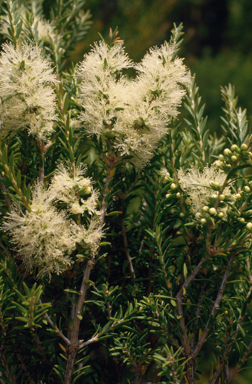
67 341
198 313
41 169
238 366
216 373
74 340
215 307
185 342
83 344
126 249
193 275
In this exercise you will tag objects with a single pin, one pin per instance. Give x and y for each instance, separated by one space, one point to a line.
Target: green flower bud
234 147
244 147
173 186
226 152
188 201
249 226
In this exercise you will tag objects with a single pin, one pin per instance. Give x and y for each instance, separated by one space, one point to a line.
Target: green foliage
160 275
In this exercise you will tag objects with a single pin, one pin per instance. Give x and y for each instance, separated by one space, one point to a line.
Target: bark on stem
215 307
126 249
74 340
238 366
41 166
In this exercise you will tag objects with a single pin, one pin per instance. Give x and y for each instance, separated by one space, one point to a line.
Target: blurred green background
217 47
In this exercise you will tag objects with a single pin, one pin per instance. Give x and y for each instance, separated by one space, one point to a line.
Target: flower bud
173 186
226 152
234 147
198 215
181 214
218 163
244 147
178 194
246 189
222 197
203 221
233 158
214 184
249 226
213 211
220 214
237 195
188 201
205 208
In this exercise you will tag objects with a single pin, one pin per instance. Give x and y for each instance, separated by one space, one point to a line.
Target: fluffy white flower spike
27 96
44 237
75 190
133 113
200 186
101 94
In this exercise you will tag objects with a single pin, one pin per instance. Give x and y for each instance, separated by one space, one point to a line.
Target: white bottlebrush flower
44 237
90 237
199 185
44 28
26 88
101 94
164 174
154 98
133 113
75 190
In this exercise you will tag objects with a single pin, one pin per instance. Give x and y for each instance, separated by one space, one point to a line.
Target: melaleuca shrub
125 224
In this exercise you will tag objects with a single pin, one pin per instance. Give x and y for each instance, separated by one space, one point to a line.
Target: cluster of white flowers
70 187
45 237
44 28
26 92
202 187
165 175
135 114
101 94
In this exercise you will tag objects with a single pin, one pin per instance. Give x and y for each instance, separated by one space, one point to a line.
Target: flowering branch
74 342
